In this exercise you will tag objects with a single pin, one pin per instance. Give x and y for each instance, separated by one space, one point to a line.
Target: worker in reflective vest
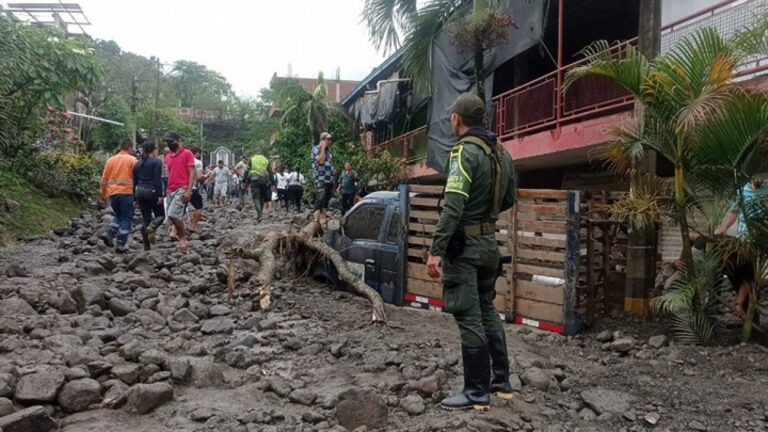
261 176
117 185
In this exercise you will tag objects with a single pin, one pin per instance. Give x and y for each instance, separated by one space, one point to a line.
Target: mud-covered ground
95 338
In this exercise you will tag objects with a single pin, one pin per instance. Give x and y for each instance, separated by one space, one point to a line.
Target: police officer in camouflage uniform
480 185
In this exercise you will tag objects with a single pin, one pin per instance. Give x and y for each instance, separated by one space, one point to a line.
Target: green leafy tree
39 68
311 108
107 136
194 85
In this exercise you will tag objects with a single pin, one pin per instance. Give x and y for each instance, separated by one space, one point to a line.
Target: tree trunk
683 217
379 315
746 329
265 255
479 76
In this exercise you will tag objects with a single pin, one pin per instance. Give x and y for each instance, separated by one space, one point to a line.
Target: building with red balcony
550 131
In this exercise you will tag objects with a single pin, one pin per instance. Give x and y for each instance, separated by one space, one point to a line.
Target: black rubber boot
497 347
477 376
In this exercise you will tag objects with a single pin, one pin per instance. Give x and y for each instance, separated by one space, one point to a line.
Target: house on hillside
548 131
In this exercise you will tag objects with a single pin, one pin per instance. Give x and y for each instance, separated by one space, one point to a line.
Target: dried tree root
379 315
265 255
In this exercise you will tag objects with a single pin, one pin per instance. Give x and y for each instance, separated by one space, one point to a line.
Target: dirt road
95 338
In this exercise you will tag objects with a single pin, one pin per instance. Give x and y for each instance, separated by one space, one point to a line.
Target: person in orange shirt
117 185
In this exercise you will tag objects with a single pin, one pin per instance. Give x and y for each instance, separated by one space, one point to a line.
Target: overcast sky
245 40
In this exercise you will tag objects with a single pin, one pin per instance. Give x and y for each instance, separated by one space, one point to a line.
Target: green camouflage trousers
468 294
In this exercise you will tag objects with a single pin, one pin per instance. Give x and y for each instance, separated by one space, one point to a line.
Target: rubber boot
109 235
497 347
477 377
145 238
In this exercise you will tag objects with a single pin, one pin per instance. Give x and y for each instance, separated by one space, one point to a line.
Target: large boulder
143 398
361 408
79 394
39 387
32 419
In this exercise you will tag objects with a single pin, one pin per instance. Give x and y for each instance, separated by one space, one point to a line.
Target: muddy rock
6 407
302 396
15 306
180 369
623 345
657 341
6 390
604 336
128 373
143 398
206 372
79 394
217 326
39 386
361 408
120 307
87 294
413 405
32 419
153 356
603 401
536 378
184 316
116 396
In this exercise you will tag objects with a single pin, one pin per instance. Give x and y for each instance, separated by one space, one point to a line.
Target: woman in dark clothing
149 193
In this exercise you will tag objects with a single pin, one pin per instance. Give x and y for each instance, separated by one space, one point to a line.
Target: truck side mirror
334 225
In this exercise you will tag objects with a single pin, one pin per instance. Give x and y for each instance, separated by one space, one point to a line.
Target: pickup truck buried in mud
385 239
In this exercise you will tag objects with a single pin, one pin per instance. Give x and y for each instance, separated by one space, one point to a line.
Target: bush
60 173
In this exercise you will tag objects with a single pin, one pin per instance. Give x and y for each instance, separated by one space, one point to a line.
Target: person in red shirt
181 179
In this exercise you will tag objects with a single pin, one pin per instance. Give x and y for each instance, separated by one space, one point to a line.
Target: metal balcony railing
545 104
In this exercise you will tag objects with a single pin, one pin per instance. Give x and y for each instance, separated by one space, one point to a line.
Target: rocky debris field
93 341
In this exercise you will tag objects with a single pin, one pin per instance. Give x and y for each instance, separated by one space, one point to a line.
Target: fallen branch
265 255
379 314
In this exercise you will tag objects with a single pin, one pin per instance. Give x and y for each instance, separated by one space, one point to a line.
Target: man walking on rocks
261 179
197 199
322 162
117 185
181 179
464 252
222 177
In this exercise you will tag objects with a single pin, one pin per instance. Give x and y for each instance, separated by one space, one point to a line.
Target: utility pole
157 101
641 247
134 106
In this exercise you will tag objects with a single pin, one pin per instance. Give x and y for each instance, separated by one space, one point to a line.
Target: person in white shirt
295 189
221 176
281 184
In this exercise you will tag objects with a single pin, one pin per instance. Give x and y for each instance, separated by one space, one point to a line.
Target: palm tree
484 28
679 92
312 107
714 133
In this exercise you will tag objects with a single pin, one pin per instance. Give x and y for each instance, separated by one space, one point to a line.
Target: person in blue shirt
739 269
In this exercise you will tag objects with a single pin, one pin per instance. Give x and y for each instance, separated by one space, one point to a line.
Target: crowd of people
172 187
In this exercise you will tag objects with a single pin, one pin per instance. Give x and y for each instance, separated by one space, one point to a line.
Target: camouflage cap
469 105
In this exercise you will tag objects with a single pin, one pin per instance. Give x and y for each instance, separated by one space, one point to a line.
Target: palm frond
417 55
752 41
386 19
732 145
692 303
622 63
